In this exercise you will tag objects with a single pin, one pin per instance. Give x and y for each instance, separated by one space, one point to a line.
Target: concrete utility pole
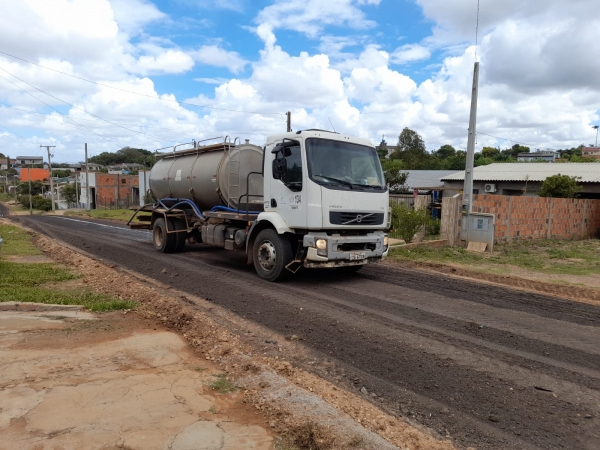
48 147
467 201
30 203
87 182
595 127
289 121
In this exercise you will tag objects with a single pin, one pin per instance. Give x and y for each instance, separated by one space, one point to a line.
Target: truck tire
163 242
350 269
180 238
271 253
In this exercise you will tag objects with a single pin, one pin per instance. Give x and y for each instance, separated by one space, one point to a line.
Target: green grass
545 256
222 384
25 283
17 242
113 214
6 197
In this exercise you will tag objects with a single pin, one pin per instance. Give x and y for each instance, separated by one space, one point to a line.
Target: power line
143 95
81 109
516 142
51 107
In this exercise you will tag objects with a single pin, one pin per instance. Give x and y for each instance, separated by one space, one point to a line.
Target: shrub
560 186
407 222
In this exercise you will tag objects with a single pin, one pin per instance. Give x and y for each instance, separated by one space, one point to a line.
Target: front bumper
342 250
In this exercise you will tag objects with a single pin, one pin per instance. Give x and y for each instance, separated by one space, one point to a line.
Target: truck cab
329 190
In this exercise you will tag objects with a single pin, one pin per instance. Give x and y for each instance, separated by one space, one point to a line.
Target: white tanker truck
310 199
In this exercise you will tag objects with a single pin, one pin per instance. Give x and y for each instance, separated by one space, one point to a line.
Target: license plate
356 256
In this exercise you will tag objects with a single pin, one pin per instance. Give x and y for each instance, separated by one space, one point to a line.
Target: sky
136 73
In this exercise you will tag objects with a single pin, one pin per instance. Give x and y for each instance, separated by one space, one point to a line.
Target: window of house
123 181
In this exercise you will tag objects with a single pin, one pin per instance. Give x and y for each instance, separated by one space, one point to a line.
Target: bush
407 222
433 227
37 202
560 186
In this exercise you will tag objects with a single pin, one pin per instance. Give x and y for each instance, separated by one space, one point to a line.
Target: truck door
287 190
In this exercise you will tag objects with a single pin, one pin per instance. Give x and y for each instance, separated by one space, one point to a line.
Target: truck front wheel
271 253
163 242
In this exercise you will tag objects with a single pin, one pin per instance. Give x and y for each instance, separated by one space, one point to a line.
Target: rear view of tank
213 175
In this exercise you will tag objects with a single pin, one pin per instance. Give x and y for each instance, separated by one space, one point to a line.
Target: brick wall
538 217
115 190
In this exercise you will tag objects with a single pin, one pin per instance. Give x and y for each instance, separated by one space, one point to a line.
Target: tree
445 151
36 188
490 152
69 192
560 186
394 177
411 151
61 173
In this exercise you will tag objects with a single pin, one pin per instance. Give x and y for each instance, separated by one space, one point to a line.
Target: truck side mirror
279 168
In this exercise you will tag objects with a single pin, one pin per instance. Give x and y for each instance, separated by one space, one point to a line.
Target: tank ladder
233 176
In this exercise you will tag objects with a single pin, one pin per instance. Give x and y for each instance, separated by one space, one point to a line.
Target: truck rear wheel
181 237
271 253
163 242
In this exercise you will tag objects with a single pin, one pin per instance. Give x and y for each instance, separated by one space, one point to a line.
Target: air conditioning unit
490 188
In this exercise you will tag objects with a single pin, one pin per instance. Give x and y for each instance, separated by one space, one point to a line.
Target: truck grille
356 246
355 218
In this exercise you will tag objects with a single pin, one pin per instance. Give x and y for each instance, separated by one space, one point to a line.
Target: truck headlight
321 244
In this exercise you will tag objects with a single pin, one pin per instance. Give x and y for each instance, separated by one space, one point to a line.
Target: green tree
410 148
560 186
406 222
61 173
445 151
490 152
394 177
69 192
36 188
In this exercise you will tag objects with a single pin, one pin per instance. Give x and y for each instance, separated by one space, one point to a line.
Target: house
524 179
426 180
6 164
109 190
537 157
92 167
29 160
590 152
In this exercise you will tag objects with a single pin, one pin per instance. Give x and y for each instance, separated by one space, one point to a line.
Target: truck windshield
344 165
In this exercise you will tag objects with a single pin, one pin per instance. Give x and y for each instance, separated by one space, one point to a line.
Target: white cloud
409 53
213 55
311 16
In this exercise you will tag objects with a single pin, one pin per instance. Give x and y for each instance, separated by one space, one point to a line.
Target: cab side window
294 164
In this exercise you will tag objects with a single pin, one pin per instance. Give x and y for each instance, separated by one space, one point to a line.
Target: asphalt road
488 366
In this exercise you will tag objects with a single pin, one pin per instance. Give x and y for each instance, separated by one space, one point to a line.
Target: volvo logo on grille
358 219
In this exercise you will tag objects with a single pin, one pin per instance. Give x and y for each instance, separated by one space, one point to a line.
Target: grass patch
17 242
22 283
113 214
222 384
545 256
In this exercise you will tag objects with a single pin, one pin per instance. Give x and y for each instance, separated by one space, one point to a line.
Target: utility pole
595 127
289 121
30 203
87 182
467 201
48 147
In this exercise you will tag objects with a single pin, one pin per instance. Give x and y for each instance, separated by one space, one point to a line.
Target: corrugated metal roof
426 178
589 172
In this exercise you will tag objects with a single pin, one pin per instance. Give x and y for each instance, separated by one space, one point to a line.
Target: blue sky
368 67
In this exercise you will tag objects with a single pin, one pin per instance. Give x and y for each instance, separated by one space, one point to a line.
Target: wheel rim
158 237
267 256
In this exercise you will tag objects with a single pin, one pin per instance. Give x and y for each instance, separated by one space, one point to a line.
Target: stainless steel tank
211 176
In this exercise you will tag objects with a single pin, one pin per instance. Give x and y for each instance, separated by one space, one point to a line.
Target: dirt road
488 366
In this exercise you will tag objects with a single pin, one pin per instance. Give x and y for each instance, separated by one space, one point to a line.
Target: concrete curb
29 306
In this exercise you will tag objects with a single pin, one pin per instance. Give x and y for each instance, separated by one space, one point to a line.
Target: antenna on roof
331 124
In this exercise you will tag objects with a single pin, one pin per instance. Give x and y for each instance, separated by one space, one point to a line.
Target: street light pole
595 127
